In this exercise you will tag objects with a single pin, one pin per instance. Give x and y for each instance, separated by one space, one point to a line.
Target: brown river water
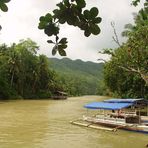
45 124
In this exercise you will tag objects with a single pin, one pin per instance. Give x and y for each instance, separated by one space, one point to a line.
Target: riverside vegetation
23 74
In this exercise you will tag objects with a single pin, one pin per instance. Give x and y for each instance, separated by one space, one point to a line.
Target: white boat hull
117 124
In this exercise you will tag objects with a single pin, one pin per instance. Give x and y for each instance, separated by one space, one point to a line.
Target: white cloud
21 22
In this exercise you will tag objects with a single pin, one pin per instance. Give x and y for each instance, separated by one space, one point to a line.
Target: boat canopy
123 100
107 106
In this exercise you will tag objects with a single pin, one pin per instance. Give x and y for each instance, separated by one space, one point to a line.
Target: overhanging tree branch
143 75
115 38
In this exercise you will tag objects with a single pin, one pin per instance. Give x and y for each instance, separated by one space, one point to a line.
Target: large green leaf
50 41
6 1
3 7
48 31
94 29
66 2
42 18
54 50
61 6
56 11
135 2
94 12
55 30
51 29
62 21
42 25
97 20
62 46
87 33
70 21
48 17
87 14
62 52
81 3
63 41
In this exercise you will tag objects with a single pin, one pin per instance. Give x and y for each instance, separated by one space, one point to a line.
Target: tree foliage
73 13
23 73
3 5
78 77
126 74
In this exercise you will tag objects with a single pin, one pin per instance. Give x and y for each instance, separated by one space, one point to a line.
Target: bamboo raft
99 127
92 125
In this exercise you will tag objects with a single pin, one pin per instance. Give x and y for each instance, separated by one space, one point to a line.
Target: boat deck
144 118
117 123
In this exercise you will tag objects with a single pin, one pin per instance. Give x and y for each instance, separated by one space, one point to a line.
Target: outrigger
114 114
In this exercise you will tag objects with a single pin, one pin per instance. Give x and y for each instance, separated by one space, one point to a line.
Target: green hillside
78 77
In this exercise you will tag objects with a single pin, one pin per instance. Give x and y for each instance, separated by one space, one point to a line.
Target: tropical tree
129 62
23 74
137 45
14 64
6 89
44 76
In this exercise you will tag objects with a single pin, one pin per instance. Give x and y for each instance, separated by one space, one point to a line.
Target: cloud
21 22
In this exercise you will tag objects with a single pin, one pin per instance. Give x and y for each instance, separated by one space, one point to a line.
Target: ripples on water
45 124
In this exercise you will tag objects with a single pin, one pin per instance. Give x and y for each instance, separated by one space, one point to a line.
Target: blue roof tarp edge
128 100
107 106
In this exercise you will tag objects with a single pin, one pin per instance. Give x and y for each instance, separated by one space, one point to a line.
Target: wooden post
139 116
147 109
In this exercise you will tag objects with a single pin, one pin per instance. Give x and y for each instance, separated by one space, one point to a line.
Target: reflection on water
45 124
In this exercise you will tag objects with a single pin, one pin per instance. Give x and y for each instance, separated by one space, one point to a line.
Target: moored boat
119 114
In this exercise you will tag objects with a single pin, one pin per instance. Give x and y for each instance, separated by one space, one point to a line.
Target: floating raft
92 125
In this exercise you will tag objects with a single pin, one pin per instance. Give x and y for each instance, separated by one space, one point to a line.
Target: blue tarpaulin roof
122 100
107 106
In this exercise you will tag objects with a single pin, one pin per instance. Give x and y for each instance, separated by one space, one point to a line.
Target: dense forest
79 77
24 74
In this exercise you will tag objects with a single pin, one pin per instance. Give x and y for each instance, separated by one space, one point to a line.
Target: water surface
45 124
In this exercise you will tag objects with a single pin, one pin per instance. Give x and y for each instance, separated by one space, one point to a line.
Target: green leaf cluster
3 5
73 13
90 21
50 27
135 2
59 46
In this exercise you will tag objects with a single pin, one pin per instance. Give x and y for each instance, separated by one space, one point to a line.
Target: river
45 124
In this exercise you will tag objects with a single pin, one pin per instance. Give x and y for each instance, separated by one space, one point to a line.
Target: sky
21 22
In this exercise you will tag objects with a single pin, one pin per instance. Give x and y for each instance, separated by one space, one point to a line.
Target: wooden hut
59 95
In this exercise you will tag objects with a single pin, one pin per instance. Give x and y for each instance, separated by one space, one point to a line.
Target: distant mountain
82 77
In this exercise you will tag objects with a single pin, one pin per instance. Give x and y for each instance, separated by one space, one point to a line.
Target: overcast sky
21 22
